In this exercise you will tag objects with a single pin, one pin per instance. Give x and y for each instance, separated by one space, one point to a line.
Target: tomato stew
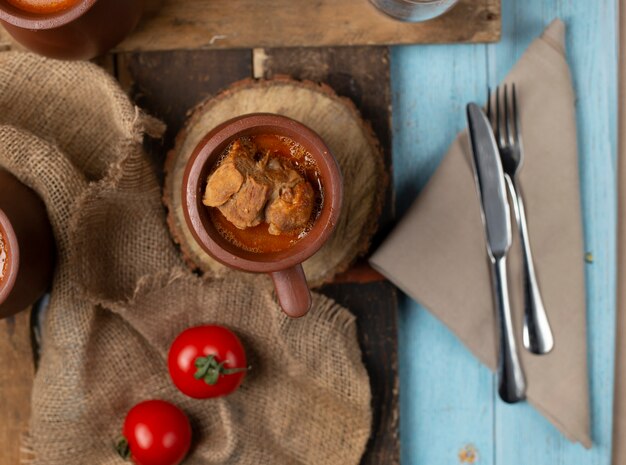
43 6
3 257
257 239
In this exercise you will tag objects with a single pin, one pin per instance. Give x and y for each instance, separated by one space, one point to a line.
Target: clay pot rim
20 18
13 257
200 164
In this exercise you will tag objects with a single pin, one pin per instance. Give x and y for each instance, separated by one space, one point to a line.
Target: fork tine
516 122
497 122
489 105
500 121
508 117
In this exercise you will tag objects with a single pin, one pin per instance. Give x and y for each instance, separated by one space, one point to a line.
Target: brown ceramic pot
28 246
83 31
284 266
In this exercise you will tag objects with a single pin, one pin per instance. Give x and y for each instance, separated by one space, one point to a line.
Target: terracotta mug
26 246
285 266
84 30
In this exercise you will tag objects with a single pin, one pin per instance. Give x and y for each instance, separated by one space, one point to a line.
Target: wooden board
168 84
374 305
16 379
619 411
211 24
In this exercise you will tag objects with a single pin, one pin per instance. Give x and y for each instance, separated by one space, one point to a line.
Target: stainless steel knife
497 220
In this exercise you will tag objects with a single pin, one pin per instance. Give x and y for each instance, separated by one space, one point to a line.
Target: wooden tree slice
336 120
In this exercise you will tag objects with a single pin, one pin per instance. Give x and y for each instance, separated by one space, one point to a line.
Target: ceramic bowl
28 243
285 266
83 31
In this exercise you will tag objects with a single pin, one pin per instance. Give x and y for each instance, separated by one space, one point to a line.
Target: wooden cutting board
211 24
171 83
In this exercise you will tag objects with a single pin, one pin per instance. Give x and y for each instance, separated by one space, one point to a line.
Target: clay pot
28 246
285 266
84 31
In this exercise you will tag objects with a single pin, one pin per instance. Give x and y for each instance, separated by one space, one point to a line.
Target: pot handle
292 291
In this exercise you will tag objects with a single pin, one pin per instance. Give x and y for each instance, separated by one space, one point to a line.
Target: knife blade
496 217
490 182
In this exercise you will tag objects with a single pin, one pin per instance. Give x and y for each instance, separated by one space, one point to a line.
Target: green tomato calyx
122 448
209 369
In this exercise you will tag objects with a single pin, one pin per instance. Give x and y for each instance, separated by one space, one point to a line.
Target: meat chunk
292 199
223 184
291 209
250 187
245 208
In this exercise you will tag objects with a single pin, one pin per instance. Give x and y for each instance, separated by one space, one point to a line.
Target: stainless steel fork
537 334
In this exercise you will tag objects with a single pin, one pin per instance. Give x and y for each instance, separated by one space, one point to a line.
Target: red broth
257 239
3 257
43 6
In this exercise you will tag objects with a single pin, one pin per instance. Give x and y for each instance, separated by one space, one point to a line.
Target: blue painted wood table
448 399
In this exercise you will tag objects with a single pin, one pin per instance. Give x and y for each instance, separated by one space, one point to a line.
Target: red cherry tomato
207 361
155 433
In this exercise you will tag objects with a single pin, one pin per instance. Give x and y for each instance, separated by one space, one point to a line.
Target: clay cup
83 31
285 266
28 244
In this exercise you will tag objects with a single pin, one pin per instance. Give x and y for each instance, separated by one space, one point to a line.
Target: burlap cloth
121 294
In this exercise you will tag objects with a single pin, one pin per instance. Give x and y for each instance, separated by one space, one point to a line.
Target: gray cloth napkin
437 254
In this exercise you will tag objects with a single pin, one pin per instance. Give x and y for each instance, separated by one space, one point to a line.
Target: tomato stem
209 369
123 449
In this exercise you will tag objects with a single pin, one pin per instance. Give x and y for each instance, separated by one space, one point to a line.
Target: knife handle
511 380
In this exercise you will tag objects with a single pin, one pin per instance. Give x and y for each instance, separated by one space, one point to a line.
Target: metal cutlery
537 334
497 221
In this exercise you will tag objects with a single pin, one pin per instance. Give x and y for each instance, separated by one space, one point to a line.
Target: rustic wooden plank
374 305
16 379
168 84
619 411
360 272
176 24
211 24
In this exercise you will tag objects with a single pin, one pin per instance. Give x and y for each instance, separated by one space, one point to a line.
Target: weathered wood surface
17 369
450 401
168 84
374 304
619 412
211 24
